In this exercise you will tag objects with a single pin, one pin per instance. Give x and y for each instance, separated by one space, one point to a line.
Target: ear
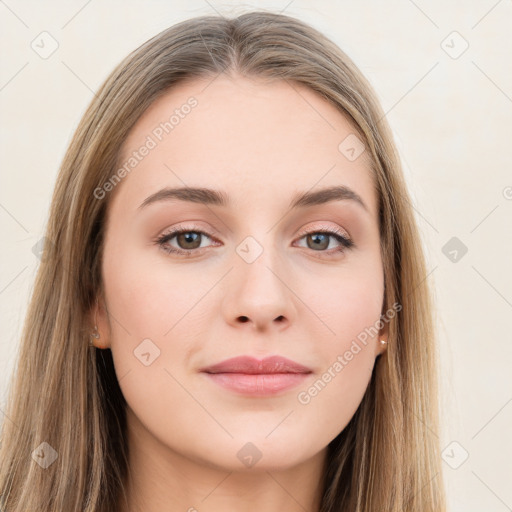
100 324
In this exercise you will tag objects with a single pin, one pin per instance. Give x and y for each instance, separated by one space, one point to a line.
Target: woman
232 311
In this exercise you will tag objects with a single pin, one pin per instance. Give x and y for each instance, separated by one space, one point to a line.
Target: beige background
452 118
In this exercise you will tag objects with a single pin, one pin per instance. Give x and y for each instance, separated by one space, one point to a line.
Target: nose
259 294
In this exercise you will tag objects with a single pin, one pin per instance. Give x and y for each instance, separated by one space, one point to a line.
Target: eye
320 240
188 240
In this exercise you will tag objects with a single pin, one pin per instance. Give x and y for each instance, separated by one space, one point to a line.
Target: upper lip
251 365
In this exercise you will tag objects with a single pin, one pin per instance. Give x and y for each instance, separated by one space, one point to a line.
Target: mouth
249 376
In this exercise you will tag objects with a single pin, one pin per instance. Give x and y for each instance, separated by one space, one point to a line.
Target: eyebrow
213 197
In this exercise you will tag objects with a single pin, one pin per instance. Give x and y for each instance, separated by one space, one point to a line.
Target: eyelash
162 240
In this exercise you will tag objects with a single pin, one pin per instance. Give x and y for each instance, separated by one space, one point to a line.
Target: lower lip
262 384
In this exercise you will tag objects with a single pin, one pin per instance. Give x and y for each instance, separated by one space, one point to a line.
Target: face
246 274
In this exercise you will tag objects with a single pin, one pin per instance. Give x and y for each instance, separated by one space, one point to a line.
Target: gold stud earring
383 342
95 335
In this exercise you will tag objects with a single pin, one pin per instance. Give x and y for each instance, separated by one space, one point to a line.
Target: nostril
244 319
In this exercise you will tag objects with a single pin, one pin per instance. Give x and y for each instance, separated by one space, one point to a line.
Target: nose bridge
258 260
258 290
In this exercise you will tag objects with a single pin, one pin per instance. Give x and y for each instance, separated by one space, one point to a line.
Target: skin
260 143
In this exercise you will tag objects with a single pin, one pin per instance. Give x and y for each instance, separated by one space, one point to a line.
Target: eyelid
186 227
325 228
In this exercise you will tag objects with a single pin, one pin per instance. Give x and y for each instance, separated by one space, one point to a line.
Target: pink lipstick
250 376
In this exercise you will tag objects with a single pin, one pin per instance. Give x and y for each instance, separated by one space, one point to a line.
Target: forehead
256 140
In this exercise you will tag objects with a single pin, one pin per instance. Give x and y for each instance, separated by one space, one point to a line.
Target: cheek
146 295
351 310
347 303
154 308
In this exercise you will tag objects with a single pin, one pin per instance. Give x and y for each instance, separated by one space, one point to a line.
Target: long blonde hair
65 393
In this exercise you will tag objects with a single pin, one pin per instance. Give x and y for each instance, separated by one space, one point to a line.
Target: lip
251 376
253 366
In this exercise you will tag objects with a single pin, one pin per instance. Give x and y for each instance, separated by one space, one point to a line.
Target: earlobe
98 335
